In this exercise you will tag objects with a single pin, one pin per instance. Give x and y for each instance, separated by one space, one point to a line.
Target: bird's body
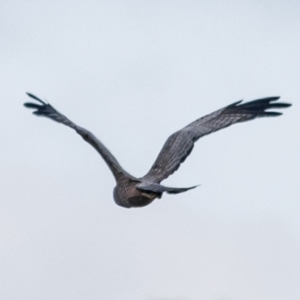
137 192
126 194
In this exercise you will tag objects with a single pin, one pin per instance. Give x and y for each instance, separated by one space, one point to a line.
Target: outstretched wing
46 110
180 144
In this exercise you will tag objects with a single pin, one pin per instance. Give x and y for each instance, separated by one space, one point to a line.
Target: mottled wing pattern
180 144
46 110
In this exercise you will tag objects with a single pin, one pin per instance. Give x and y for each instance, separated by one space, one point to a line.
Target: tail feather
171 190
158 188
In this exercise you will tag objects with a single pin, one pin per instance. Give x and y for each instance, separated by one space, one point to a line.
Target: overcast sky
133 72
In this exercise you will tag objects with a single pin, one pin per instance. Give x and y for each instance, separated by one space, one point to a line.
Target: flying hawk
136 192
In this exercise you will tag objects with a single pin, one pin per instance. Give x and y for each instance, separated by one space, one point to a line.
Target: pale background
133 72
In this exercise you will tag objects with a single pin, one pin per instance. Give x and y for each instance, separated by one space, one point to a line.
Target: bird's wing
180 144
46 110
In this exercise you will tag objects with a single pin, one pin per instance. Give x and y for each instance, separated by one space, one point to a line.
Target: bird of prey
131 191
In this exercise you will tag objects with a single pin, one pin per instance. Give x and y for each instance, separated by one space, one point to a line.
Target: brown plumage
136 192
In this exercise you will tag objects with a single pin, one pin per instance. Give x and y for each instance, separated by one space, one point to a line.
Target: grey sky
133 72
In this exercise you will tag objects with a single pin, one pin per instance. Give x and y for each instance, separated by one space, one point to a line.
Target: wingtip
260 107
31 95
31 105
36 98
271 98
271 114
